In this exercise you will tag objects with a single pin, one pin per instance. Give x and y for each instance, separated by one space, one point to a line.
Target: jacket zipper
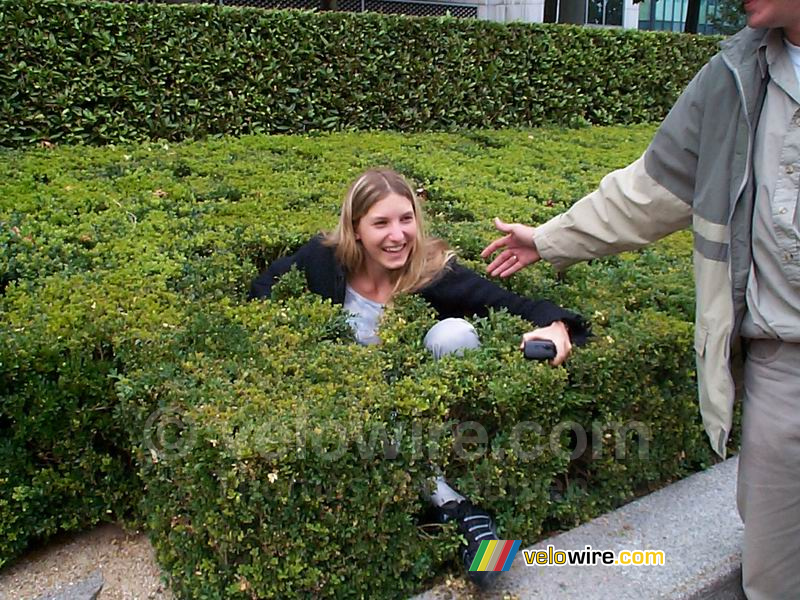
749 157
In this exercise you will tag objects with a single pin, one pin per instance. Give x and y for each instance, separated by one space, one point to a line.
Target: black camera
540 350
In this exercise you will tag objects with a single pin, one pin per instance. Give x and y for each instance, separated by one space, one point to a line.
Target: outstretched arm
632 207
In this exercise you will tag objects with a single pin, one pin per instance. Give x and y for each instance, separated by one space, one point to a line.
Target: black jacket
457 292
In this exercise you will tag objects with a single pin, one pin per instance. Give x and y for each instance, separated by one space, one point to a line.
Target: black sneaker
476 526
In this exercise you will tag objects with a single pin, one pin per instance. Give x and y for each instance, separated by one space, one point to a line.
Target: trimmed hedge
96 73
281 485
256 429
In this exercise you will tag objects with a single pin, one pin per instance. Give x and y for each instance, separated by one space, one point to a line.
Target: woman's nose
396 232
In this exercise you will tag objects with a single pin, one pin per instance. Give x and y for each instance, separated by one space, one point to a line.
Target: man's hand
518 249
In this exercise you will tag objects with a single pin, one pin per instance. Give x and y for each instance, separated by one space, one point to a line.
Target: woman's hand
518 249
557 333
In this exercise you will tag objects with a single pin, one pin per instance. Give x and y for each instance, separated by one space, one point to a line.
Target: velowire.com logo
495 555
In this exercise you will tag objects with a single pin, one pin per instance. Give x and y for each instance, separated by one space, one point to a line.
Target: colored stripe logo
495 555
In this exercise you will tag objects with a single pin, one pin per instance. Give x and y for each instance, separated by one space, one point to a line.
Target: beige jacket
697 171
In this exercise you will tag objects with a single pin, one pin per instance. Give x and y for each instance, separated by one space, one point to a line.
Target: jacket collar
771 46
745 55
747 46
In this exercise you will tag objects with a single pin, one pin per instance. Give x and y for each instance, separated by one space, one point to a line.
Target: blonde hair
428 256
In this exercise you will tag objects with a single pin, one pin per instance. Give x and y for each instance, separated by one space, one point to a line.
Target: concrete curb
694 521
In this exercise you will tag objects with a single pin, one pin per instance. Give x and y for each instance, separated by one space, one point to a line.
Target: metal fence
410 7
418 8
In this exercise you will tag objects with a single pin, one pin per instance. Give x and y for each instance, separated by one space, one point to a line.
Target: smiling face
387 233
775 14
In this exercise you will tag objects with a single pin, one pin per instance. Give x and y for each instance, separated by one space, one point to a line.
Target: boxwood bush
269 455
92 72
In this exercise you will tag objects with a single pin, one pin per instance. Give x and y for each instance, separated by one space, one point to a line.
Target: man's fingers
515 266
500 242
504 264
489 250
500 259
492 266
494 246
509 266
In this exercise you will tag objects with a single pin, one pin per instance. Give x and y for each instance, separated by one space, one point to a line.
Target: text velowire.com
590 557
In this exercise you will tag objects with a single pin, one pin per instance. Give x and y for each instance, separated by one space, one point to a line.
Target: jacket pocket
763 351
700 338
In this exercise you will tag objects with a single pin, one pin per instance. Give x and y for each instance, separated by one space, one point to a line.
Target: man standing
726 160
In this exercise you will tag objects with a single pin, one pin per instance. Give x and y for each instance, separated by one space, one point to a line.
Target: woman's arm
261 286
323 272
462 292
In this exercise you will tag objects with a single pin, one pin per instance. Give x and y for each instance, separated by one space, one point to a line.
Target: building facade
663 15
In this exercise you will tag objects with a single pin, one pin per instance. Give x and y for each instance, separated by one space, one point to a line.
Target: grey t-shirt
365 314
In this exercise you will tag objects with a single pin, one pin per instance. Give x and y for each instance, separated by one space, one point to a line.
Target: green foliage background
94 73
136 382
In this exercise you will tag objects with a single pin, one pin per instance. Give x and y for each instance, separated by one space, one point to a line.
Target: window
584 12
604 12
670 15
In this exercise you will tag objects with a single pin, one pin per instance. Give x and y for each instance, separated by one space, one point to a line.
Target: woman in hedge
379 249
